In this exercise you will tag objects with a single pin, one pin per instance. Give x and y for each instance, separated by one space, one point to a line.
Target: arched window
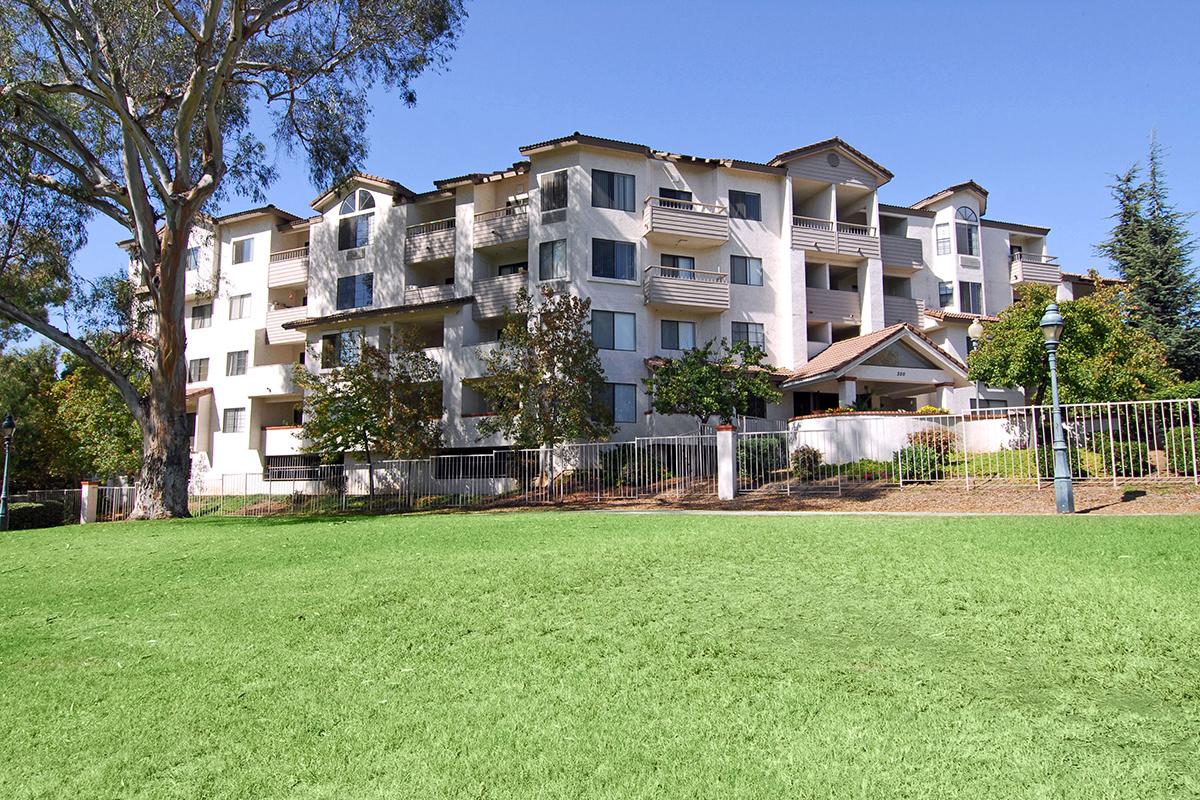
968 231
354 228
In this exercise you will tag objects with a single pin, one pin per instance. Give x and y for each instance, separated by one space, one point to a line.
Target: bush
917 462
866 469
932 410
1077 458
632 466
27 516
941 441
1123 459
806 462
761 454
1182 444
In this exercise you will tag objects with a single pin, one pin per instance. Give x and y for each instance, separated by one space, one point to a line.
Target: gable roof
588 140
398 189
836 143
839 357
965 186
517 168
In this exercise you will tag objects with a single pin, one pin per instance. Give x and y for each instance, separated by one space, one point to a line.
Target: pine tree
1151 249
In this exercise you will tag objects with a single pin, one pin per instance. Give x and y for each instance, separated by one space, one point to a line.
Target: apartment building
855 301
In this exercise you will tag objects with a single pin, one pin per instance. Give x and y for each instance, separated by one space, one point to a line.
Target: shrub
1182 444
1077 458
27 516
866 469
1123 459
932 410
806 462
918 462
941 441
761 454
632 466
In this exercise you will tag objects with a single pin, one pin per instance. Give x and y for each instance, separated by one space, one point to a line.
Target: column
726 462
847 391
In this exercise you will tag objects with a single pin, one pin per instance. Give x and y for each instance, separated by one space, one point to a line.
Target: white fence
1117 443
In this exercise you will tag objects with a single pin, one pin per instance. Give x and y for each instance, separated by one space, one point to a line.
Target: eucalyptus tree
148 113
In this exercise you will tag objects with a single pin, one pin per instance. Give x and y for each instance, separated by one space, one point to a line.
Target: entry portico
896 368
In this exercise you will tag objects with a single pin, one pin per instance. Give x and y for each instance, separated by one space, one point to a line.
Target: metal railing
431 227
1035 258
687 205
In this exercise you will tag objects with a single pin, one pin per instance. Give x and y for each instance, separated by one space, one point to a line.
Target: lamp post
1064 492
8 426
975 333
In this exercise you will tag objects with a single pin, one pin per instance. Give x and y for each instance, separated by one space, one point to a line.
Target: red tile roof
840 355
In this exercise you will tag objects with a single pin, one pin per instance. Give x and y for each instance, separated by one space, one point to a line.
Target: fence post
726 462
89 497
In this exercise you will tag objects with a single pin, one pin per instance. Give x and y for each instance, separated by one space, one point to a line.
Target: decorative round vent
833 159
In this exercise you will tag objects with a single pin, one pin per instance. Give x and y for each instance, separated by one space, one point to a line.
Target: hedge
29 515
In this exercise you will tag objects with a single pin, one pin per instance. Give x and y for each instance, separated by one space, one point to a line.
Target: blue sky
1038 101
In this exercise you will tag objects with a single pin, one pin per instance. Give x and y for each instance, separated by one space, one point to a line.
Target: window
614 330
354 228
755 407
191 259
746 270
234 420
235 362
552 260
751 333
620 400
612 190
239 306
967 232
613 260
202 316
679 267
197 370
984 402
243 251
970 297
340 349
945 293
676 198
554 190
678 335
355 291
519 268
943 239
745 205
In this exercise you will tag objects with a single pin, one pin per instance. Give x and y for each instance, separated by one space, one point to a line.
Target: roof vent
833 160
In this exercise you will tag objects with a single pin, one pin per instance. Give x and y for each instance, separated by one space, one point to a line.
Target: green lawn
602 655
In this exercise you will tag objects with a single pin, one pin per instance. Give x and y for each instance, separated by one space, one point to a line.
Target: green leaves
703 383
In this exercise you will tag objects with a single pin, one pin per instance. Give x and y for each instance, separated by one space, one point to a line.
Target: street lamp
8 426
1064 492
975 334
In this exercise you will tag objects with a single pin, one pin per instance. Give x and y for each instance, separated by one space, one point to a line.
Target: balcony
1030 268
834 305
903 309
495 295
282 440
429 241
272 380
276 317
687 223
901 251
288 268
420 295
502 225
827 237
685 289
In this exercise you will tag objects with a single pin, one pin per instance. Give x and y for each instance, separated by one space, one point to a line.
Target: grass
551 655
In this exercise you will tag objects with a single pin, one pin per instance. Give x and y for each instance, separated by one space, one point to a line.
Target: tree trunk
166 457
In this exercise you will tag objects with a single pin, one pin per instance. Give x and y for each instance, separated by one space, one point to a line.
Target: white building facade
855 302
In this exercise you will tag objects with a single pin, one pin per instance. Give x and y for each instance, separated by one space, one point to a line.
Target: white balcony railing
1035 268
515 210
280 256
418 295
276 317
688 205
431 227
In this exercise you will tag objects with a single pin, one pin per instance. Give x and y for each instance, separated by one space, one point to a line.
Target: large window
678 335
235 362
202 316
679 267
612 190
967 230
620 400
234 420
746 270
355 291
945 293
614 260
755 407
614 330
197 370
243 251
943 239
554 190
354 228
239 306
745 205
751 333
970 297
340 349
552 260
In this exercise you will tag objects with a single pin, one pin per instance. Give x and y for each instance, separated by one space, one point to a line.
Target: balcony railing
493 296
430 241
431 227
501 225
272 380
901 251
903 309
288 267
686 222
834 305
688 289
283 440
276 317
828 236
418 295
1034 268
